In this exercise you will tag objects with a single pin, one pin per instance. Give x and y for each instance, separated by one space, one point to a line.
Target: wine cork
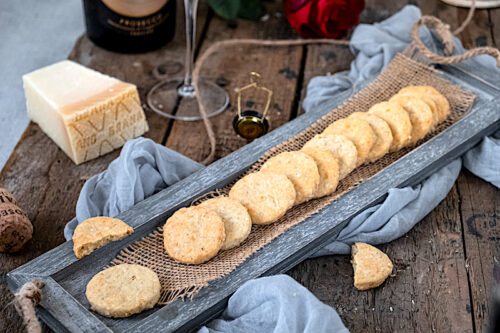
15 227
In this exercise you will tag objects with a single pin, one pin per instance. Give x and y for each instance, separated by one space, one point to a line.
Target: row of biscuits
196 234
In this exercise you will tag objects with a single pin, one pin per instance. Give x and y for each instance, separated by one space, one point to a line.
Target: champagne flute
165 97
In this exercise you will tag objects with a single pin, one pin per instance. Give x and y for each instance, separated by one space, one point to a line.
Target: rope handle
443 31
25 300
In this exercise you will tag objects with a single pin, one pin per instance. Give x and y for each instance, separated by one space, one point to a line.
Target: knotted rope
26 299
443 31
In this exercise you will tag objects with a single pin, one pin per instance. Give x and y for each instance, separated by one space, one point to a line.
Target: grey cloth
484 159
279 304
399 212
275 304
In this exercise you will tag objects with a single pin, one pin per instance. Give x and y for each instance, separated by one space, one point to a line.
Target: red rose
323 18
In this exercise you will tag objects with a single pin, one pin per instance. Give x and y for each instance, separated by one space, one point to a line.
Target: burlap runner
179 280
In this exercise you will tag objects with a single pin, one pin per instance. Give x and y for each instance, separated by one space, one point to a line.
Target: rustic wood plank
43 179
443 11
278 66
432 292
376 11
323 60
478 32
480 214
494 20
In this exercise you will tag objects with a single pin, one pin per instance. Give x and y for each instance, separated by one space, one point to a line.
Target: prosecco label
135 8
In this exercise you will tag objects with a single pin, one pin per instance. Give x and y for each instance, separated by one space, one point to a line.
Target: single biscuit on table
193 235
371 266
237 222
300 168
341 147
442 104
398 120
358 131
96 232
123 290
420 113
266 195
382 132
328 168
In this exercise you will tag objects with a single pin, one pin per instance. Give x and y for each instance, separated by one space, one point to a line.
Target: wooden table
444 267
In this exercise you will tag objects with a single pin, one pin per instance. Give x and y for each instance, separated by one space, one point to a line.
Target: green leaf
250 9
227 9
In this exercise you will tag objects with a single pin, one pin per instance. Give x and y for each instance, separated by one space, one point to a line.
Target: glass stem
190 7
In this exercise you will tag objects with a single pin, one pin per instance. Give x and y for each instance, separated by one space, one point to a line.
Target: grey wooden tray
65 308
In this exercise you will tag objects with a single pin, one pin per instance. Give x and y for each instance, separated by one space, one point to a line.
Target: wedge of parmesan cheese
86 113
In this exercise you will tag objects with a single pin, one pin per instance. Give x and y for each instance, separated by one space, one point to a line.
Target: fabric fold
275 304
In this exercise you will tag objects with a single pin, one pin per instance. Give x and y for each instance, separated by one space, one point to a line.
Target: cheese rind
87 114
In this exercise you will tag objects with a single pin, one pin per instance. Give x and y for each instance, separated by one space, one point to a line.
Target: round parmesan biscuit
266 195
382 132
237 222
193 235
398 120
432 106
358 131
123 290
341 147
442 104
328 168
300 168
420 115
434 109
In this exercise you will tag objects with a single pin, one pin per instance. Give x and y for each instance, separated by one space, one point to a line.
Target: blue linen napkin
264 304
275 304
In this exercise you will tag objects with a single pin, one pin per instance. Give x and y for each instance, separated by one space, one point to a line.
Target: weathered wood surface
48 188
481 229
